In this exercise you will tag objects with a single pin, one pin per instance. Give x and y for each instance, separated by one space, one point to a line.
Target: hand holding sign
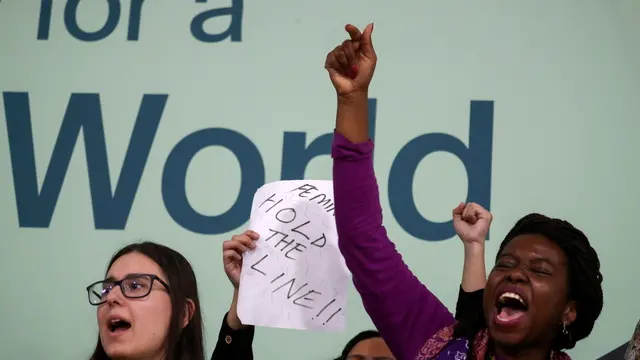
296 277
232 251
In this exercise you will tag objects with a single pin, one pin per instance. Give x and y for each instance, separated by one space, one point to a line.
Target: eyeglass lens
131 287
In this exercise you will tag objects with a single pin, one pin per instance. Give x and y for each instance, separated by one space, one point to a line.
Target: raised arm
405 312
235 339
471 222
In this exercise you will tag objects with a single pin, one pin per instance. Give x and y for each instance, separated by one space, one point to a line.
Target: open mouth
511 307
118 325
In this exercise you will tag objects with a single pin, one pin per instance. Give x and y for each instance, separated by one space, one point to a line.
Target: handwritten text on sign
296 277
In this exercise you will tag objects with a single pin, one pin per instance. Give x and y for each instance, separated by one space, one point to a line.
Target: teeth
512 296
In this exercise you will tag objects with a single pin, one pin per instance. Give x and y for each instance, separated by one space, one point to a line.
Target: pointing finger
353 31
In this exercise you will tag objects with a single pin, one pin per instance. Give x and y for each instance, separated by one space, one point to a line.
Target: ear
189 309
570 313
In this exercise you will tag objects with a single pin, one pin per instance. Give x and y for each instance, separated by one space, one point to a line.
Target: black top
237 344
234 344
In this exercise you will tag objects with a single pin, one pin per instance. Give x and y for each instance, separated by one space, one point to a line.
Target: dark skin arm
351 66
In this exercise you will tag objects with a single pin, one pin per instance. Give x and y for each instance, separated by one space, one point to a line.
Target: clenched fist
351 64
471 222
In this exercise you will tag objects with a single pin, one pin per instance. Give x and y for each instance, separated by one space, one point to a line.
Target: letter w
110 209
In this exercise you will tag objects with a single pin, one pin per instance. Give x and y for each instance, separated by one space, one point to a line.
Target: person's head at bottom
367 345
545 291
147 306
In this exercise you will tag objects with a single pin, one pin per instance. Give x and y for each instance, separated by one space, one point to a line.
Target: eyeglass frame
118 283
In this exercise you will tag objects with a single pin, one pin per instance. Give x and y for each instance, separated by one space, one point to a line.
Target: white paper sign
296 277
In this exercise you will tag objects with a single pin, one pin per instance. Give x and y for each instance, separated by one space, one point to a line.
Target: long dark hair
364 335
584 278
183 344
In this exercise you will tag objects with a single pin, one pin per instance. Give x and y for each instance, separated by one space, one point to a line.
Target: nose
114 296
517 275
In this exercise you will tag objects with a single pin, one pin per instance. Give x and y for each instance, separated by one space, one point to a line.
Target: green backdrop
562 78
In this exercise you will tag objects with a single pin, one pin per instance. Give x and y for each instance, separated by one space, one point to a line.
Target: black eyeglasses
133 287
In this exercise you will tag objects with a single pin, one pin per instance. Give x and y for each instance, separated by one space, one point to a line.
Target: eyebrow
536 259
113 278
506 254
542 260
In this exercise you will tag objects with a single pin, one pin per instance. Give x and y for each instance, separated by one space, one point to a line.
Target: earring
565 331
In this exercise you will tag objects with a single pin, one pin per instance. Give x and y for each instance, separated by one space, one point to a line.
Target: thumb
366 43
457 212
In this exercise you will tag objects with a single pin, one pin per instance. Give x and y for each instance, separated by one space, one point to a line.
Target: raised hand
351 64
232 251
471 222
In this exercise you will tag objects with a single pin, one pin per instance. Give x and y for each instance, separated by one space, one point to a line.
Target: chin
116 351
506 338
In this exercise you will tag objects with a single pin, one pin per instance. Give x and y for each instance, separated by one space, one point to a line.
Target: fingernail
354 71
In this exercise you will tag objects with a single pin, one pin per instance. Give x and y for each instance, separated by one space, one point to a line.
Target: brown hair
182 344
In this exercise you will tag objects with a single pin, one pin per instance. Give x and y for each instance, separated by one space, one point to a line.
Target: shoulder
633 350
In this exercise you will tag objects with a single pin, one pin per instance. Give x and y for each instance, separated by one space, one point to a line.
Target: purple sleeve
404 311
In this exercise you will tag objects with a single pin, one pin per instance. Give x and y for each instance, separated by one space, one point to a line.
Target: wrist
352 119
474 248
232 316
354 97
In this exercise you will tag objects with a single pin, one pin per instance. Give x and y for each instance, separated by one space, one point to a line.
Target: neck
159 356
535 353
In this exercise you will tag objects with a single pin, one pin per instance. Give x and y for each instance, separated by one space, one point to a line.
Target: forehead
372 347
534 246
133 263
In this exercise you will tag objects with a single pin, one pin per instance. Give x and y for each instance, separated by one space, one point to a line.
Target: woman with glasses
147 306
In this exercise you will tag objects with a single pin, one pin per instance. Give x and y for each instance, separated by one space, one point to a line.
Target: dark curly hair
364 335
584 277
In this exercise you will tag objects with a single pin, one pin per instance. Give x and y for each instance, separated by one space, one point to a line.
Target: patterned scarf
442 338
633 349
